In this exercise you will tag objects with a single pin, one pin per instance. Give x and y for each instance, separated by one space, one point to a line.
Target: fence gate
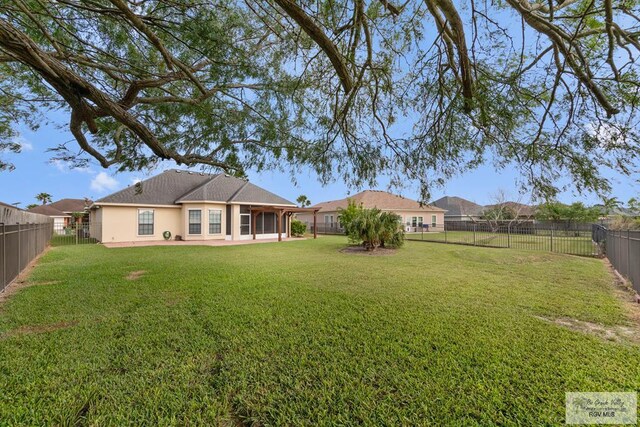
76 233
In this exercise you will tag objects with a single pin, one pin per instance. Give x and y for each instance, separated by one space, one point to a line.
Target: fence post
509 235
474 234
4 255
445 232
19 248
551 239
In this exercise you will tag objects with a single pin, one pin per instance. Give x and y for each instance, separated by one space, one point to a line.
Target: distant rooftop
379 199
457 206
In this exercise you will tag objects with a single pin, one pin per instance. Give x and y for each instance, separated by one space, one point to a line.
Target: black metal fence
23 236
569 239
74 234
325 228
622 248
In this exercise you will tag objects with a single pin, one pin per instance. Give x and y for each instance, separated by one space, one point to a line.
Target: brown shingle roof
47 210
377 199
174 186
71 205
457 206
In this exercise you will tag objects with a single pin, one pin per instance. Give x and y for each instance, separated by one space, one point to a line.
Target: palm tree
44 198
303 201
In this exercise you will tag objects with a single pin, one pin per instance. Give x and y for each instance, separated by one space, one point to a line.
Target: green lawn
577 245
298 333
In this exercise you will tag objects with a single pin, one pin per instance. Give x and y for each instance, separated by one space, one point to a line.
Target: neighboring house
60 219
522 211
413 215
459 209
63 212
194 206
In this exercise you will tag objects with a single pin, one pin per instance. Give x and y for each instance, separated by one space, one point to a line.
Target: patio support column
254 215
279 225
315 224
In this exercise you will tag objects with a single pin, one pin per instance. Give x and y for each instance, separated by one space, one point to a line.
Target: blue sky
35 173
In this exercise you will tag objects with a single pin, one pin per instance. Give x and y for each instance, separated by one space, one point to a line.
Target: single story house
191 206
459 209
414 216
63 212
520 210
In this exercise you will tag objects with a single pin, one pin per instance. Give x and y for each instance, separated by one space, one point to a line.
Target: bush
298 228
375 228
624 223
347 217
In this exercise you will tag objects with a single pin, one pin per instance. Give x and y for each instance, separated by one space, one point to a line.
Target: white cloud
24 144
65 167
103 182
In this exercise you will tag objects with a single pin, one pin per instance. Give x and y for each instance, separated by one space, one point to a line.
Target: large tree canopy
420 90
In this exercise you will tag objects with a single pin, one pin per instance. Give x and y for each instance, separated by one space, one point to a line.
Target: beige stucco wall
120 223
204 208
426 218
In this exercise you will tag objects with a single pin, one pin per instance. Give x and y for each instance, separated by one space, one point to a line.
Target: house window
145 222
420 221
215 221
195 221
433 220
328 220
414 221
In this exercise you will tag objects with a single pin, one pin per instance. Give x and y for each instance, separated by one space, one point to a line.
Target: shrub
391 230
375 228
347 217
298 228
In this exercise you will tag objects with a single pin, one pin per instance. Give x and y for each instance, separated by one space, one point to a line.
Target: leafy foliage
575 212
351 89
374 228
44 198
346 217
298 228
303 201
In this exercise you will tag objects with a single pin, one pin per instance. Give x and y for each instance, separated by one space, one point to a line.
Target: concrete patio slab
197 242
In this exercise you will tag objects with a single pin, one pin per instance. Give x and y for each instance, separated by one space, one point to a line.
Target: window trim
209 222
434 221
153 223
189 222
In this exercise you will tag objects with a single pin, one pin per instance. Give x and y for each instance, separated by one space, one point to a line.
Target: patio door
245 224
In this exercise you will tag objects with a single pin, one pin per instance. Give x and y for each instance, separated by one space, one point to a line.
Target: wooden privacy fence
622 248
23 236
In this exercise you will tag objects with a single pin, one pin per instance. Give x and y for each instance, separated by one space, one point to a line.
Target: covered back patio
280 212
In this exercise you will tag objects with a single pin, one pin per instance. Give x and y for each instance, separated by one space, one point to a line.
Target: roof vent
201 174
178 171
190 173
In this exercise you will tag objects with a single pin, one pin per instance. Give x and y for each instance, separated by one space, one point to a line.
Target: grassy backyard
572 244
298 333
